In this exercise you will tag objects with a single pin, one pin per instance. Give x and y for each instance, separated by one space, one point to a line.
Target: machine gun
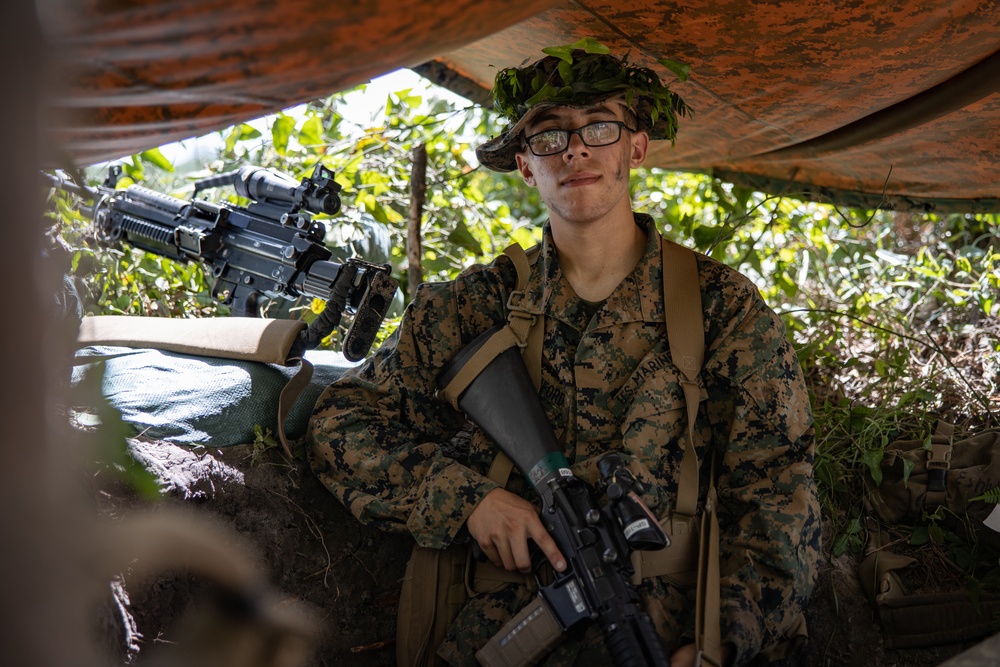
271 248
597 541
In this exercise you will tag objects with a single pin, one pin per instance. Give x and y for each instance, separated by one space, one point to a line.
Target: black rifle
596 541
271 248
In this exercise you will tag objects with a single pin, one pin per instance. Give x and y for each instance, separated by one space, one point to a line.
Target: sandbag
191 399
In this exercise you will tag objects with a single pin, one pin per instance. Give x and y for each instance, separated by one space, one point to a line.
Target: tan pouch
678 562
429 602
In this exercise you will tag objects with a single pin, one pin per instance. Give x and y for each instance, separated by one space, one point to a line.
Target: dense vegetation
894 315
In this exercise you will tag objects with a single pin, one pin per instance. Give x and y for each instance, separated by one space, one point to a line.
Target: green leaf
565 53
311 134
786 284
561 52
412 101
907 469
461 236
919 536
704 235
154 156
991 496
873 459
681 70
281 131
589 45
248 131
839 545
231 140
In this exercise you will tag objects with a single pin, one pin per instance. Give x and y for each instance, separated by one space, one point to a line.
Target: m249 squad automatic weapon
596 540
271 248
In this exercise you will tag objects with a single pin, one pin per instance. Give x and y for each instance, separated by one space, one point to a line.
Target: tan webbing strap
244 338
500 470
529 328
499 342
708 605
686 336
517 255
288 397
684 320
520 330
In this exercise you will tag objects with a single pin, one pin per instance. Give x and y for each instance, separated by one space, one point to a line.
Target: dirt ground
348 576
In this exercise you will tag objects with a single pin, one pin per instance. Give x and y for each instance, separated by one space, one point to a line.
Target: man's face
582 183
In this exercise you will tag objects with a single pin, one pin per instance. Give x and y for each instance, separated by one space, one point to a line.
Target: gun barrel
156 199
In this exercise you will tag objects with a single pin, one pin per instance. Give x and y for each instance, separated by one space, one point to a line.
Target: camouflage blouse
383 443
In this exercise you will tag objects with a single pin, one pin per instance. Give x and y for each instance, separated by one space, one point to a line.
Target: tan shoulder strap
684 320
530 328
524 330
245 338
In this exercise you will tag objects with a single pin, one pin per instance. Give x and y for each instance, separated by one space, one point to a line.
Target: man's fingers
503 523
548 547
521 555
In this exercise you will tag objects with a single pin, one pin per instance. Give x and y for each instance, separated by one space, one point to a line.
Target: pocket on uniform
652 416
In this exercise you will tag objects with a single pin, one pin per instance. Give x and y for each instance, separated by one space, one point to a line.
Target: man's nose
576 147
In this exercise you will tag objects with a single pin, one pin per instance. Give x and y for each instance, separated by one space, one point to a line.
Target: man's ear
525 169
640 144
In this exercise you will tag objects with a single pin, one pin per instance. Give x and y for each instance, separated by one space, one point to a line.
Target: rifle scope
264 185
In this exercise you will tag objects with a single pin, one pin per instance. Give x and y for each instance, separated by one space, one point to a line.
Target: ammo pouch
942 474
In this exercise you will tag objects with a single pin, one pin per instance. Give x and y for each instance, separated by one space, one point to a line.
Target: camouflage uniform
608 383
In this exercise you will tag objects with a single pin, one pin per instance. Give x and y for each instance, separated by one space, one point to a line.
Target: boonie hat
579 75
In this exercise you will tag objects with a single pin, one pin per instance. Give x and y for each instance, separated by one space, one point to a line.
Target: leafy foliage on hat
576 74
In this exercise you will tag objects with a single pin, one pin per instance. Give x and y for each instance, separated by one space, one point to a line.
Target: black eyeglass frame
578 132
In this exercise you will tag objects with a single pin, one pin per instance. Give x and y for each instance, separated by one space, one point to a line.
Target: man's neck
595 257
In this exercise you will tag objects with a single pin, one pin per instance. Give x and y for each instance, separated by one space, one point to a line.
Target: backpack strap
522 330
684 320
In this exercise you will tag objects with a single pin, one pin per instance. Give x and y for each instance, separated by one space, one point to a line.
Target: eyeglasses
601 133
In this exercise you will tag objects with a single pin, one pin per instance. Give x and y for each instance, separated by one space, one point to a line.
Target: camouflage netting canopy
892 102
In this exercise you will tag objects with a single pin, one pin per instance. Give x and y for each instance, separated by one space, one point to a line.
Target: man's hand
502 523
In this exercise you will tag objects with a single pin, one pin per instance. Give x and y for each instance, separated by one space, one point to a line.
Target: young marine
382 440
